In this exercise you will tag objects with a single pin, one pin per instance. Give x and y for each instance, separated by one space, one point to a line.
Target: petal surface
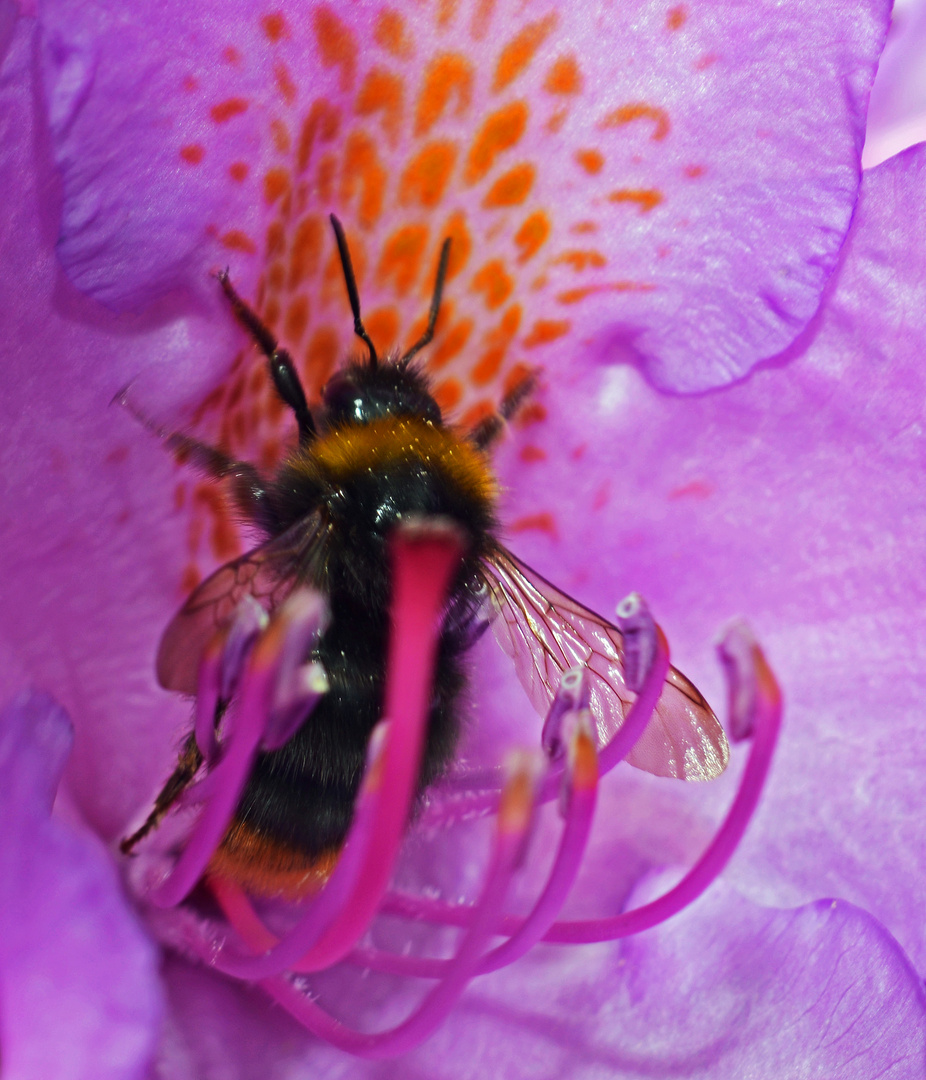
793 500
672 180
81 997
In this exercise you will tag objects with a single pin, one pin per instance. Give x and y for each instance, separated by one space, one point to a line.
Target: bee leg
189 761
488 430
282 369
249 489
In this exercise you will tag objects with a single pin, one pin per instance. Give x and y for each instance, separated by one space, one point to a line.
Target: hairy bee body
382 453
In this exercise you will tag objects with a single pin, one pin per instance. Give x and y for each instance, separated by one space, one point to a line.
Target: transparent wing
268 573
546 632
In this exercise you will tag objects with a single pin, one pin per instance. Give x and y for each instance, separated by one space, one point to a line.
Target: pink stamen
744 663
580 788
515 815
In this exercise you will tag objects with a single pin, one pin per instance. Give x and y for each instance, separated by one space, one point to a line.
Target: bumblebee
376 451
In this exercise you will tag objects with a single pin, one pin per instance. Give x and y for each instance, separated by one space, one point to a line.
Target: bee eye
341 395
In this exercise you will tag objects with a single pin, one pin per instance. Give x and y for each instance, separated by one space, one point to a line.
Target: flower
99 664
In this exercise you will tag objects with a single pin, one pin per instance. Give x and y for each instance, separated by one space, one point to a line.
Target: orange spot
517 376
383 327
363 173
592 161
639 110
276 275
546 330
337 45
190 578
461 243
382 93
192 153
448 76
530 453
448 394
282 141
543 522
321 358
224 538
517 55
305 257
236 240
502 130
498 340
556 121
581 260
238 171
232 56
645 198
475 414
322 123
493 280
389 33
426 177
296 320
706 61
285 83
276 185
532 235
583 227
512 188
676 17
573 296
694 171
446 10
274 26
482 17
450 344
564 77
402 256
189 83
276 238
271 313
225 110
696 489
531 413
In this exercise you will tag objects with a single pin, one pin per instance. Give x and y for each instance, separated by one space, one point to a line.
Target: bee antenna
351 282
435 302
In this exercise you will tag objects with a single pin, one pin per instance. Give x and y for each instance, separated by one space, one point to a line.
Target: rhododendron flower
662 189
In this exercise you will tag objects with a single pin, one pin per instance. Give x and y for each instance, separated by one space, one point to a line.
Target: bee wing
546 632
268 573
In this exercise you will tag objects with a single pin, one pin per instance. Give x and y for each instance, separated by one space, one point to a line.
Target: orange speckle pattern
646 199
306 252
531 454
448 394
500 131
546 330
482 18
232 56
282 140
322 124
284 83
296 320
542 522
592 161
236 240
427 175
391 35
276 184
494 282
192 153
580 260
512 188
448 78
226 110
461 243
337 46
518 54
693 172
640 110
564 77
532 235
274 26
451 344
383 325
382 92
364 176
575 296
402 257
676 17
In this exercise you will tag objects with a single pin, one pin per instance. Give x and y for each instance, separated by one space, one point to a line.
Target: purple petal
81 997
897 111
674 181
794 499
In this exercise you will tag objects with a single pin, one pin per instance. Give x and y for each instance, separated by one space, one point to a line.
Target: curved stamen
746 667
580 789
513 825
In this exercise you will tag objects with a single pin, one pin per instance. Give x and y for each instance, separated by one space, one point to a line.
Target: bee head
361 393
